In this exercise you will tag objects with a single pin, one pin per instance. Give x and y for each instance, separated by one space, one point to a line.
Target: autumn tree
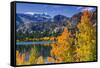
19 58
33 55
86 39
62 49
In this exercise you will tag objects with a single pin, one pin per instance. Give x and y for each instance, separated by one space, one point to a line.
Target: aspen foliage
86 39
62 49
40 60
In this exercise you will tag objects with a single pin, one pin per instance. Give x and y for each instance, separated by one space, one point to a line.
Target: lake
36 42
39 46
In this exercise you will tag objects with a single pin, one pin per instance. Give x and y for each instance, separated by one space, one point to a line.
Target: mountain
75 19
18 21
44 25
24 20
60 18
31 23
34 17
94 18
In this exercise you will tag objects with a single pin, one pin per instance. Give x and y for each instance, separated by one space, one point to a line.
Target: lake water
37 42
25 47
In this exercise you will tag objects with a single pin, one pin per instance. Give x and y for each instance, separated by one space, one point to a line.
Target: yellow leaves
85 37
32 59
93 41
17 53
17 41
40 60
45 38
78 26
33 56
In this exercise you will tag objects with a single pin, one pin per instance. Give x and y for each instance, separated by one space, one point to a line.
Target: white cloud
88 8
85 8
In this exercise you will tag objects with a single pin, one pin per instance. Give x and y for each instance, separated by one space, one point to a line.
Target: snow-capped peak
30 13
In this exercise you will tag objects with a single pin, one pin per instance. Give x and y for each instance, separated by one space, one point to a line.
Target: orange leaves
60 59
86 13
61 50
55 51
52 38
64 37
57 60
19 58
65 34
50 59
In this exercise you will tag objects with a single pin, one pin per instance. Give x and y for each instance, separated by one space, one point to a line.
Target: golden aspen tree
33 56
85 39
62 49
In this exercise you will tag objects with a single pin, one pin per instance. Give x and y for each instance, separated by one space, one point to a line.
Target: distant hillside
38 25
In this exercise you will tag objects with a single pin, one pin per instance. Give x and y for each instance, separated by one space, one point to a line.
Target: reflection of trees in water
45 51
41 49
30 54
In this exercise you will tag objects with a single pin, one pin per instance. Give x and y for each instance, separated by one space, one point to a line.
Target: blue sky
52 10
